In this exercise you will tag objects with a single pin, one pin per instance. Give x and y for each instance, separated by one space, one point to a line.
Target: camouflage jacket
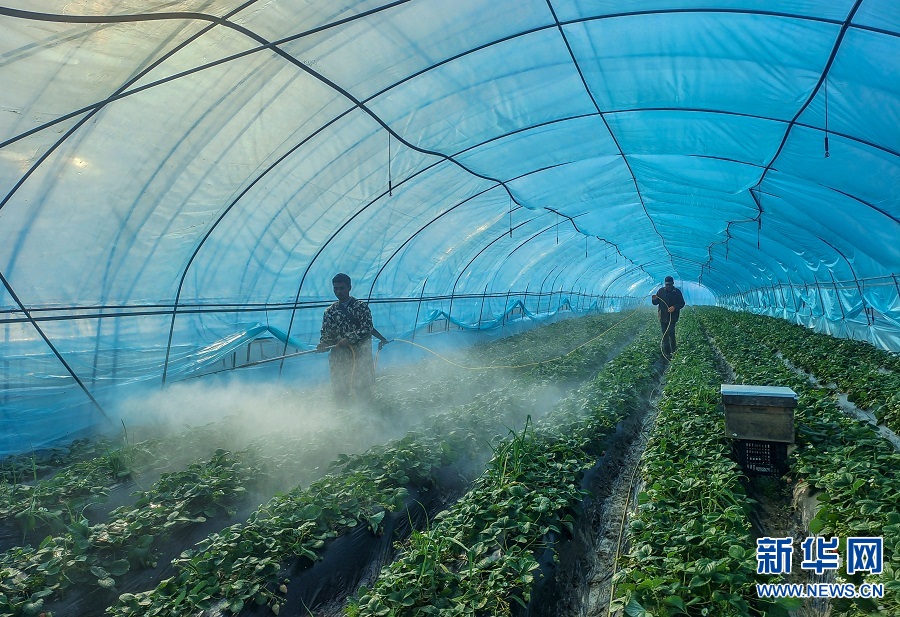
353 322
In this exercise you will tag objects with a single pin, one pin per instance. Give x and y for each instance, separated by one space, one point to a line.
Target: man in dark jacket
670 302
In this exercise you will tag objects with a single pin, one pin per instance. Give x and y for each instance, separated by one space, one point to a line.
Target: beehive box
759 413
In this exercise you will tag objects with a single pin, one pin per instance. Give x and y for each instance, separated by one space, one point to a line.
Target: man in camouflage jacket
347 326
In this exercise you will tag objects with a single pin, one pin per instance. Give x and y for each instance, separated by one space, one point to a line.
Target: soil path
583 574
607 520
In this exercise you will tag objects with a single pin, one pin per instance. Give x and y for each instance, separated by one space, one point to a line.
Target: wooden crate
759 413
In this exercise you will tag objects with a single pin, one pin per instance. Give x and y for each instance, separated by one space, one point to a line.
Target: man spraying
670 302
347 328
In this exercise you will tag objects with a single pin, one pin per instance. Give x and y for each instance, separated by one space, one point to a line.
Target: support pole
52 347
837 296
416 324
481 312
506 307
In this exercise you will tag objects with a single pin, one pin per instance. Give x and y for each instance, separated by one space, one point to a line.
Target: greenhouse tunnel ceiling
179 178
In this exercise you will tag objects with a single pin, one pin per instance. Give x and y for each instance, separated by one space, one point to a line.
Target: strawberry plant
479 557
98 554
870 376
844 458
690 547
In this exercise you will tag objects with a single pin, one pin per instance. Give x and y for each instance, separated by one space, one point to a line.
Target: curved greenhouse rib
122 94
63 18
615 139
812 95
439 216
52 347
218 220
489 245
420 230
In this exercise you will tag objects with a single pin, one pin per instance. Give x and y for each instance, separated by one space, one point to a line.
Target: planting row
34 465
854 467
870 376
82 554
480 555
97 555
566 351
690 547
53 503
243 563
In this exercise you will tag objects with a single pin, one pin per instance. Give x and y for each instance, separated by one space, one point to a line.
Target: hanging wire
510 216
557 228
827 154
390 178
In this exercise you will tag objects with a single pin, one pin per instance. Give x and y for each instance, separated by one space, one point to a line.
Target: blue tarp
171 174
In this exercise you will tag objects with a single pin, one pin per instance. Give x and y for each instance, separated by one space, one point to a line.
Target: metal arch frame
223 21
590 94
558 24
749 260
588 268
812 95
486 247
439 216
334 235
758 219
858 200
571 220
271 45
497 239
588 262
533 264
420 230
357 104
89 115
52 347
219 219
491 243
742 243
436 218
574 225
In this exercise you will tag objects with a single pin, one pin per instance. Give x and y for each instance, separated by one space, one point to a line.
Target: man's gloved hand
382 343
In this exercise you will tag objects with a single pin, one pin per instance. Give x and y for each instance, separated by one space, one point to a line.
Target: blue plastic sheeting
174 175
867 310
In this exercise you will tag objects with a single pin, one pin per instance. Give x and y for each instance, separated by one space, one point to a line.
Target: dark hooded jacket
671 297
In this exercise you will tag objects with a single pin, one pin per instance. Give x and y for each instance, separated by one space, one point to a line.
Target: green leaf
676 602
375 520
815 526
106 583
634 609
118 568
